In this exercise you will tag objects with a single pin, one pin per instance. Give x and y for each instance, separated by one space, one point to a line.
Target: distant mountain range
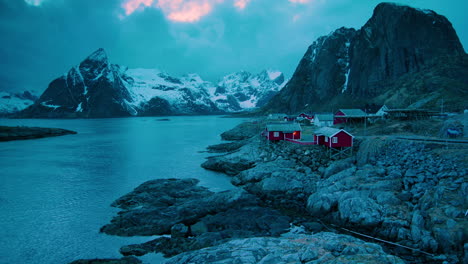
96 88
13 102
402 57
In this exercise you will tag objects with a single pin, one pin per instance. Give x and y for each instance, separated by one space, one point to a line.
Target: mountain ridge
95 88
351 68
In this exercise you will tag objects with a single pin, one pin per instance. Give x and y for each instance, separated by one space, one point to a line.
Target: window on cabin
326 139
276 134
334 140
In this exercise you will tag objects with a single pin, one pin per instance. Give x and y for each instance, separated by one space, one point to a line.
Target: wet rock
359 210
179 230
124 260
20 133
156 206
294 248
225 147
243 131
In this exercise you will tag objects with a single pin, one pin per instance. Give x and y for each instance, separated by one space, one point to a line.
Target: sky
43 39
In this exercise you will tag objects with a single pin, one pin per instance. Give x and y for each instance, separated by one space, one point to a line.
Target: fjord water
55 193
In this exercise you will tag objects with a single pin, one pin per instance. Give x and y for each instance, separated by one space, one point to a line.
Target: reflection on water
55 192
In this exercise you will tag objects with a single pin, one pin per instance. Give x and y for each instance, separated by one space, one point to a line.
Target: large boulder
294 248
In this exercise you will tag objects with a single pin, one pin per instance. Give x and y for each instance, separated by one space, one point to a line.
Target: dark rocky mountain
95 88
403 57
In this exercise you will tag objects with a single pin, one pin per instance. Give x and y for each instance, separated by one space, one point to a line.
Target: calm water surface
55 193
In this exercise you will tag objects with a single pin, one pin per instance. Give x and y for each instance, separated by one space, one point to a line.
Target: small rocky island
8 133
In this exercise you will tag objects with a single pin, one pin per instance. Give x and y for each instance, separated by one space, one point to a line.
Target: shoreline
8 133
369 193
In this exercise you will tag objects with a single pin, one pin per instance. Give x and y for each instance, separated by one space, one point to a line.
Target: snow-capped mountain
243 90
14 102
96 88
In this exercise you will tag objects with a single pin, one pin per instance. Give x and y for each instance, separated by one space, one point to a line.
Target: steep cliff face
91 89
398 40
321 74
402 57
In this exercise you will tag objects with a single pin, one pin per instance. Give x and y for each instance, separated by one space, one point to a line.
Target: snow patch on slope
11 103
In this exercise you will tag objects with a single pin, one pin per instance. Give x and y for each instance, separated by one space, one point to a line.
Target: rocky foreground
18 133
295 205
412 194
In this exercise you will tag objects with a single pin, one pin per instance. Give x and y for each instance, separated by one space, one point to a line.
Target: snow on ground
79 108
49 105
251 103
345 85
255 83
273 74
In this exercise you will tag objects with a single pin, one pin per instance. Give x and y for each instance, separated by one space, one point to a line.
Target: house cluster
288 128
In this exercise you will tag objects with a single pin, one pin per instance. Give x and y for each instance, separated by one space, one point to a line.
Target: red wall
320 140
344 140
338 120
282 136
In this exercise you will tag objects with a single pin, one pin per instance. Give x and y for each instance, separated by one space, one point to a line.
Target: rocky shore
393 201
18 133
414 194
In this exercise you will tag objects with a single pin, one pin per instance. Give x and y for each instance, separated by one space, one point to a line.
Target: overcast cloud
42 39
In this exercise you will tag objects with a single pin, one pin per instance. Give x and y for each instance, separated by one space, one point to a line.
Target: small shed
347 115
282 131
277 116
323 120
333 137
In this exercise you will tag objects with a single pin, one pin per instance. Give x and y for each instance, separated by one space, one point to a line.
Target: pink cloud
296 18
190 12
34 2
299 1
241 4
131 6
174 10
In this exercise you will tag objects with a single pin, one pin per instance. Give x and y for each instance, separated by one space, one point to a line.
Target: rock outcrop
194 217
291 248
94 88
21 133
412 194
401 57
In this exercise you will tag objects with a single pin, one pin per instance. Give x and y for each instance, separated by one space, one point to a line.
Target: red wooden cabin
345 115
282 131
333 137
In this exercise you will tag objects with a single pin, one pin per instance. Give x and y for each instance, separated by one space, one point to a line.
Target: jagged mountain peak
401 55
415 28
99 55
96 88
94 65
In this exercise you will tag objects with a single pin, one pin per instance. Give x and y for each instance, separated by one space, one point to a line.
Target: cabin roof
372 108
284 127
329 131
324 117
352 112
